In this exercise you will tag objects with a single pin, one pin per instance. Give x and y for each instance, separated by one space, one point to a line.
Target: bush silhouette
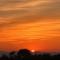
24 52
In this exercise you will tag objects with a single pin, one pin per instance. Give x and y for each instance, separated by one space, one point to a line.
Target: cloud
27 8
26 11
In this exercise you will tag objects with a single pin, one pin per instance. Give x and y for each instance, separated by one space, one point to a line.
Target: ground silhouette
24 54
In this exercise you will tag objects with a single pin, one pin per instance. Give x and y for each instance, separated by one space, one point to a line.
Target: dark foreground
25 54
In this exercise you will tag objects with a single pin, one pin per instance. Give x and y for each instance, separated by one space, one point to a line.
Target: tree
24 54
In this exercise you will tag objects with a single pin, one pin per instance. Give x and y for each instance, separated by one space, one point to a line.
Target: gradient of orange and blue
31 24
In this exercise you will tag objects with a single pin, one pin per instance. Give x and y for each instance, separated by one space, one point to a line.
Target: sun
32 50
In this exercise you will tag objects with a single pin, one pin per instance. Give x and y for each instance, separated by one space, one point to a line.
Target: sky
31 24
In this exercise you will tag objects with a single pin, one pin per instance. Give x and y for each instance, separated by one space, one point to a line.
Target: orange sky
31 24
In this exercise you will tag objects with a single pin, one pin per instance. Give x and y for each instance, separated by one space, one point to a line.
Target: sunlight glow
32 50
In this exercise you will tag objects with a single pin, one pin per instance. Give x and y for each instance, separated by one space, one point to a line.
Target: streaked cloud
26 21
28 10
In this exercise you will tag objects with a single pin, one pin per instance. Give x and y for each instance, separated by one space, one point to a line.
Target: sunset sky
31 24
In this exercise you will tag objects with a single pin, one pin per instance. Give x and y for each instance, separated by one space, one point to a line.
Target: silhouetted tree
24 54
12 53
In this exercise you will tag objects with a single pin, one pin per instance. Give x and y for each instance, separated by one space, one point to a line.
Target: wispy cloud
28 10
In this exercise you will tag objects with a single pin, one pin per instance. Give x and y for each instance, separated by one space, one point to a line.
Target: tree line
24 54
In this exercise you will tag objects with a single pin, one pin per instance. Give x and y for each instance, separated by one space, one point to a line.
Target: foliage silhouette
25 54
